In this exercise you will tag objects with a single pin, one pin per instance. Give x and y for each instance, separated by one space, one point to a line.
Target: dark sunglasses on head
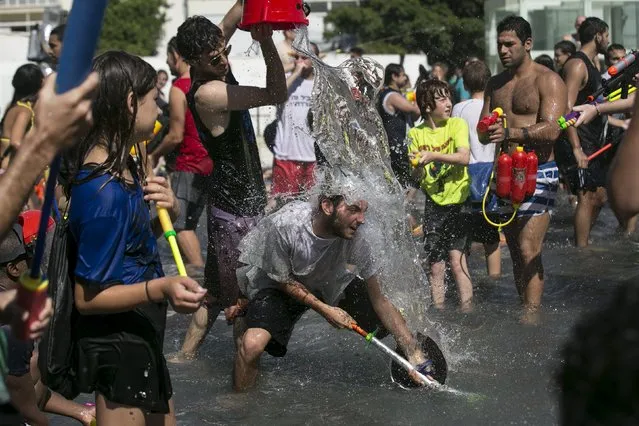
215 60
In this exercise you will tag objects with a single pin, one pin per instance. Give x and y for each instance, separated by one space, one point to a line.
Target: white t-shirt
293 140
470 111
283 246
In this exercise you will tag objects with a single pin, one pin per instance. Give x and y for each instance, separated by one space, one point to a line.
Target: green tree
445 31
133 25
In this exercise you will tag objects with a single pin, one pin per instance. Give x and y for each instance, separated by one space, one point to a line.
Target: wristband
525 132
146 289
597 108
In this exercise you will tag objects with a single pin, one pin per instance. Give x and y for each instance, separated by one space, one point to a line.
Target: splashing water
351 136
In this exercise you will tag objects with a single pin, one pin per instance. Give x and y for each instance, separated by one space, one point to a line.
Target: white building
552 19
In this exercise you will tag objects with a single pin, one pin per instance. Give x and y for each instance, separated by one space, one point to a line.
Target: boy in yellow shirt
439 152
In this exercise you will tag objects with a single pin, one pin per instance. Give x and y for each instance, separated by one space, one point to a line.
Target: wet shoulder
101 195
546 77
207 90
295 214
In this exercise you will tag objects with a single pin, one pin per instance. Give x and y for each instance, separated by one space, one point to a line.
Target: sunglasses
215 60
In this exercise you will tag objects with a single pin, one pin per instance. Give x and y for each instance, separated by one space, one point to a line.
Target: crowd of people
271 256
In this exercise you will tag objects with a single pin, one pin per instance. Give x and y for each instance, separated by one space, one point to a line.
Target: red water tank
531 173
281 14
518 189
504 170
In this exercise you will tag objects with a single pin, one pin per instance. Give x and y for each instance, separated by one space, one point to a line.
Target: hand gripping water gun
410 95
83 27
165 220
370 337
489 120
571 118
618 76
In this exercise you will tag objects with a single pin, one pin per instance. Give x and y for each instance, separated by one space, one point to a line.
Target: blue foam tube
81 35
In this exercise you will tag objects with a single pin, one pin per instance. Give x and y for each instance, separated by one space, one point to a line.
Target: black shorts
120 356
445 229
588 179
277 313
480 231
190 191
20 353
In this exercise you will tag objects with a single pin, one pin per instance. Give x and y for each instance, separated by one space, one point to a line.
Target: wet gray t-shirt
283 247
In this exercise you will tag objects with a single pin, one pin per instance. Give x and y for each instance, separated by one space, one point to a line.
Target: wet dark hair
58 31
172 46
428 90
590 28
120 74
519 25
26 82
390 71
334 199
198 35
476 75
546 61
567 47
599 376
616 46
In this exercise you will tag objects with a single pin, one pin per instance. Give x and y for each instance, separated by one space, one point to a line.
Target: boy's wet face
511 50
443 108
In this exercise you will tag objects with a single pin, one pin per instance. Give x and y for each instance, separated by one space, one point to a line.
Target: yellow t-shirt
444 183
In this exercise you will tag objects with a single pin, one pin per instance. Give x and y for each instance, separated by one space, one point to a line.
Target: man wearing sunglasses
237 196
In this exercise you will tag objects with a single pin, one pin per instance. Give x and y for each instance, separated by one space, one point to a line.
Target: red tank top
192 156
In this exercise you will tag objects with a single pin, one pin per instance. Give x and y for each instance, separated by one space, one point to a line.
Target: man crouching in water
311 256
533 98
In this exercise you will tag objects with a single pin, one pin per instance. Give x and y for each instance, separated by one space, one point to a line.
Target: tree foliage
133 25
444 30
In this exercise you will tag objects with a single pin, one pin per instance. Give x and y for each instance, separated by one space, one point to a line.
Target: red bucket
281 14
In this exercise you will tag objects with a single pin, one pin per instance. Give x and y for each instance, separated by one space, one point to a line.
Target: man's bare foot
530 316
180 357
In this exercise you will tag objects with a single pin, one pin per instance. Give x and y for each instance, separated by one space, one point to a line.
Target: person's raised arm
623 179
576 73
588 111
177 111
231 20
400 103
61 118
224 97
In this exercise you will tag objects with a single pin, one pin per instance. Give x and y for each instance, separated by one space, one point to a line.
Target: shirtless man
533 98
237 196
